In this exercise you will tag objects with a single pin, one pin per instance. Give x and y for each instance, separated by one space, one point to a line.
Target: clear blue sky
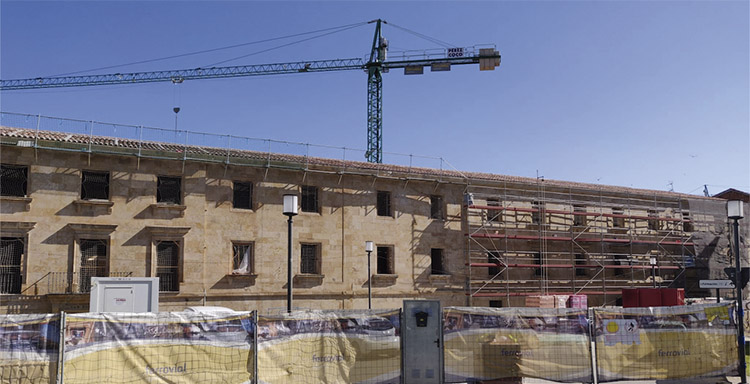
636 93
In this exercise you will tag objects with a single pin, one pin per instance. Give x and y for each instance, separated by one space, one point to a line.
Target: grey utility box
124 294
422 338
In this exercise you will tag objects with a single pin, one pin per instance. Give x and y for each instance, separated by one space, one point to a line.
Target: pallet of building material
561 301
540 301
578 301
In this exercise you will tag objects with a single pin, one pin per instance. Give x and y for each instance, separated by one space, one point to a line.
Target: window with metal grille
436 260
384 203
168 266
493 257
243 195
385 260
437 210
580 260
11 256
536 214
687 224
309 259
653 223
94 185
493 214
579 219
618 221
242 258
93 262
169 190
310 199
13 180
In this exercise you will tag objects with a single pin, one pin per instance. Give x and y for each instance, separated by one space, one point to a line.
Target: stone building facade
209 224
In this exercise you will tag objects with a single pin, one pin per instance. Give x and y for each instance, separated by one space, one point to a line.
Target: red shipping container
649 297
672 296
630 298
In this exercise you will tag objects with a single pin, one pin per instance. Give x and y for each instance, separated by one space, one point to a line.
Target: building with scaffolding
81 199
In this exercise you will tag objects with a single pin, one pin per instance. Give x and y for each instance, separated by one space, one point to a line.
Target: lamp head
368 246
734 209
290 205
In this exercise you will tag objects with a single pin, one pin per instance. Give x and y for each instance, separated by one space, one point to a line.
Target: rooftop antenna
705 190
671 185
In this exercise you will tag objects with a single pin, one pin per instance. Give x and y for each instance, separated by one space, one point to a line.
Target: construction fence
479 344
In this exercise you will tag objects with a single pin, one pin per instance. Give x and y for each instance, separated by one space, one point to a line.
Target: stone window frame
167 233
318 254
25 187
160 200
235 192
389 268
83 185
439 254
234 267
384 203
81 232
437 207
19 229
309 195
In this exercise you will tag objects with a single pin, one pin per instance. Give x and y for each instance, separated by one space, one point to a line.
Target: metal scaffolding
524 239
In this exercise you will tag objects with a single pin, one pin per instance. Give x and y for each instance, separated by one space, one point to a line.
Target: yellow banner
158 348
329 347
665 342
29 346
496 343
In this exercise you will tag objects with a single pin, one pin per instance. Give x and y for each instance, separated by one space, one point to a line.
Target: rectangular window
385 261
11 256
687 224
169 190
168 266
310 199
243 195
536 213
580 260
493 214
384 203
13 180
538 261
579 219
243 260
496 303
94 185
618 219
621 260
93 262
436 259
493 257
437 210
653 223
309 259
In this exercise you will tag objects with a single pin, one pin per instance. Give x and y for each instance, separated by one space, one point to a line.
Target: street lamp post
652 261
734 212
290 210
368 248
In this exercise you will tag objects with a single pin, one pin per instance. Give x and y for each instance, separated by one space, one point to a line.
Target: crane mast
375 66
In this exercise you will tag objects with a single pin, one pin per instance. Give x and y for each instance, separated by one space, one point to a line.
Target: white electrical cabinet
124 294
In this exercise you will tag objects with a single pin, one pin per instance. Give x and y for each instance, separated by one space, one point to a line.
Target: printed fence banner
171 347
29 346
665 342
497 343
330 347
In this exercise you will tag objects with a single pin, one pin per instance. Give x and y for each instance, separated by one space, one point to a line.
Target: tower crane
488 58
